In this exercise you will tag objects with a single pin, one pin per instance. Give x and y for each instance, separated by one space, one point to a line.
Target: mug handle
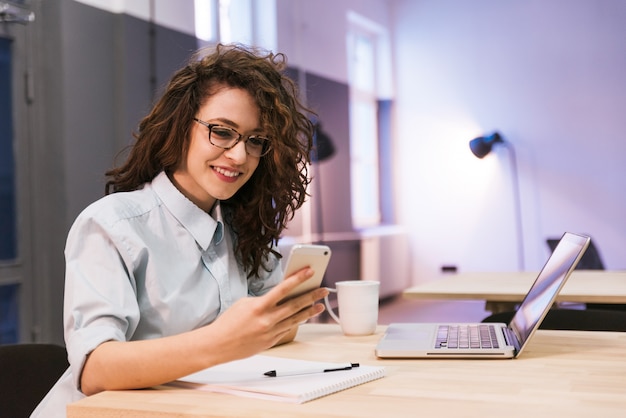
329 308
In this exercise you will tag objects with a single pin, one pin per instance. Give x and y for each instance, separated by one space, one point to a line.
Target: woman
157 271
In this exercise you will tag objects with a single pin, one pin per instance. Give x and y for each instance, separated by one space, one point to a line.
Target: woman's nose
238 152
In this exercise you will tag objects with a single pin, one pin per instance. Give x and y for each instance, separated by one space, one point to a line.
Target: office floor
399 309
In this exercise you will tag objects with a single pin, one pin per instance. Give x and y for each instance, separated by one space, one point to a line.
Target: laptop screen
547 285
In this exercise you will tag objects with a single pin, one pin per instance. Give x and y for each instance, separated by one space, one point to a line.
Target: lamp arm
518 205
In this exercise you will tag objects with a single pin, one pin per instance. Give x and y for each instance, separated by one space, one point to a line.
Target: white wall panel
549 76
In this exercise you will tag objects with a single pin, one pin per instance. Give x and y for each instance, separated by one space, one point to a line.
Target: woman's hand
254 324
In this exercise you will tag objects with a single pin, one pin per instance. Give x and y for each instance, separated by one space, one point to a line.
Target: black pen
278 373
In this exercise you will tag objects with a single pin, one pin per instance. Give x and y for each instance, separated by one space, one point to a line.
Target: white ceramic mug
357 305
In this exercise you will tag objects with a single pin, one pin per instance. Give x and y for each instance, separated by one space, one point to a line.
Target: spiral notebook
247 378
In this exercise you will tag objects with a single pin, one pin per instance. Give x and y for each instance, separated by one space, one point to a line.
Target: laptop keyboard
467 336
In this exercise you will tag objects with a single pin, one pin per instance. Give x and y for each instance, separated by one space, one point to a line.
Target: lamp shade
482 145
323 147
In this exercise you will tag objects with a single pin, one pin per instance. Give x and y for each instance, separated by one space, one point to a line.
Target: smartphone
307 255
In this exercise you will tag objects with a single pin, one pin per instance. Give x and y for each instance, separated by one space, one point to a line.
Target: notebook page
246 378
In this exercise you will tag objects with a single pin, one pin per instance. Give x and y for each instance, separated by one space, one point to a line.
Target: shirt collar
203 227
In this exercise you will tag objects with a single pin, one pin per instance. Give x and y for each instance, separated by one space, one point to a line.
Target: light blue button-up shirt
142 265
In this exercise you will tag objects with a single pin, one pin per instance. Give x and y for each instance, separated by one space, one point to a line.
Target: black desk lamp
323 149
482 146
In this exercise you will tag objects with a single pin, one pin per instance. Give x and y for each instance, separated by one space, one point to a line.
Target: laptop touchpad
410 334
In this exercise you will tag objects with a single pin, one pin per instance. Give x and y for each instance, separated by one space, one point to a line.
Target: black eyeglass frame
267 144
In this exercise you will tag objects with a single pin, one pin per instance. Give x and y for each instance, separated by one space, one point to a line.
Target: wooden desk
562 373
583 286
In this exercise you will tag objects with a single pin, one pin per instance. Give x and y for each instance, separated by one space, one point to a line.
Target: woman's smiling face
209 173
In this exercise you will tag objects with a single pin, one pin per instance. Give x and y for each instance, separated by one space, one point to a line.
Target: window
250 22
368 79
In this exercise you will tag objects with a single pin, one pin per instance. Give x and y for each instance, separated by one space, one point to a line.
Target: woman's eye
257 141
222 133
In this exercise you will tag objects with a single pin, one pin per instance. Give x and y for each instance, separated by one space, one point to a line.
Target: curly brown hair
259 211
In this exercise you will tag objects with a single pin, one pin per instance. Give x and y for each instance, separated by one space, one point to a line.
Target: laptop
495 340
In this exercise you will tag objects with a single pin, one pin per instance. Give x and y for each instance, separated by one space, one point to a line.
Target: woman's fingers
305 314
295 309
283 290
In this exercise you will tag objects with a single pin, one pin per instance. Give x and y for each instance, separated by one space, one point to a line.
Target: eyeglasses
226 138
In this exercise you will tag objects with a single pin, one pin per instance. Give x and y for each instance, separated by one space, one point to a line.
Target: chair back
573 319
27 373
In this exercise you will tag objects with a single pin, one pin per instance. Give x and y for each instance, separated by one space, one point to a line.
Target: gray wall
330 100
96 75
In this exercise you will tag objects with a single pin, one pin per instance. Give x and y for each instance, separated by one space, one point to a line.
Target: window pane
205 19
236 21
363 64
363 129
8 314
365 135
7 167
226 35
364 163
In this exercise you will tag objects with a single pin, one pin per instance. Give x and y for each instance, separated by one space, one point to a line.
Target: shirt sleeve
100 294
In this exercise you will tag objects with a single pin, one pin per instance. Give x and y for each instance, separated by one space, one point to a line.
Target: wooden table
583 286
562 373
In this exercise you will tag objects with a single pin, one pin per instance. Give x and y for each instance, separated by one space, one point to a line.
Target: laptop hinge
510 338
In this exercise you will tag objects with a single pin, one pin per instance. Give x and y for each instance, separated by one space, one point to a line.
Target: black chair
27 373
574 319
